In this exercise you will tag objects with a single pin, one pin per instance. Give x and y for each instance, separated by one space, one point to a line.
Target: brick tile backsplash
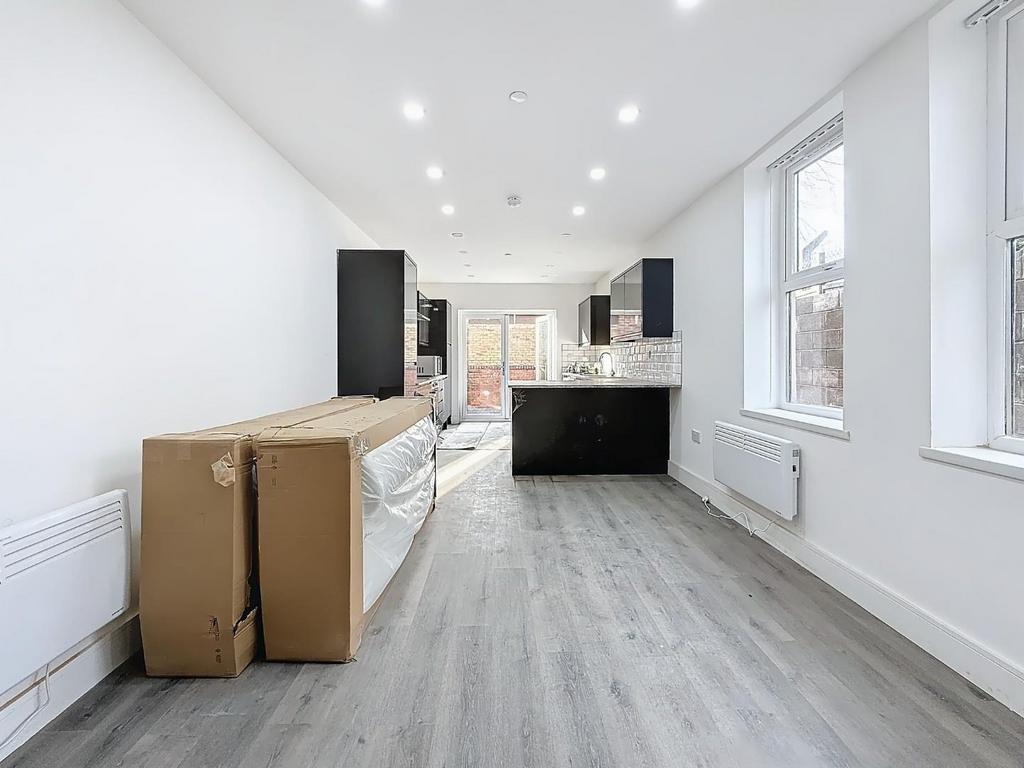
658 360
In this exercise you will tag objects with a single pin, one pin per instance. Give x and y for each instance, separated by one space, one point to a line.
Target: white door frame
554 366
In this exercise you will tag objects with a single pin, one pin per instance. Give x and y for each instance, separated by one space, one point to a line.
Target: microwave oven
428 365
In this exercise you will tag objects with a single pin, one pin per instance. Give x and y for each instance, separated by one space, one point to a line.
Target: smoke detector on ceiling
514 201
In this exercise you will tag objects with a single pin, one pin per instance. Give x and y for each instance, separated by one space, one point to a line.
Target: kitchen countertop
428 379
595 383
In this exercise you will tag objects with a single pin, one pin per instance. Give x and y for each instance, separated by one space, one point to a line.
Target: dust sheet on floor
473 435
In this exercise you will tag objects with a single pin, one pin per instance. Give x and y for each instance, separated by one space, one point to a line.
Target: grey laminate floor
568 623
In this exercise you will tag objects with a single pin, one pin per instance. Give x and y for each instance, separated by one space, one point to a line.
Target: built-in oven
424 307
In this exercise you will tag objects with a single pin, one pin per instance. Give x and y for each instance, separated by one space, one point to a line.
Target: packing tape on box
224 471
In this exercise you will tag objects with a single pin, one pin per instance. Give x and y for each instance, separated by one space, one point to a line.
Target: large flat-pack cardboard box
311 528
198 516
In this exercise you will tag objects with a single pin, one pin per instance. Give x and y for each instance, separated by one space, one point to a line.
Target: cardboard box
311 528
198 513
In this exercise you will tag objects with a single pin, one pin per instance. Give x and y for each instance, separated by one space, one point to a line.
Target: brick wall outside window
816 376
528 346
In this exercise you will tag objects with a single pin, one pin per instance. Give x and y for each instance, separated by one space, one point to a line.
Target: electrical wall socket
696 436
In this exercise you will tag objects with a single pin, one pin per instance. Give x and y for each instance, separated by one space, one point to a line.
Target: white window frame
1003 230
783 247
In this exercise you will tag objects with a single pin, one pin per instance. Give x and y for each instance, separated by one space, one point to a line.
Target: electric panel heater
63 576
763 468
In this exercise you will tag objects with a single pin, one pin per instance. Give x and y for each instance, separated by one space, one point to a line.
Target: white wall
563 299
162 268
932 549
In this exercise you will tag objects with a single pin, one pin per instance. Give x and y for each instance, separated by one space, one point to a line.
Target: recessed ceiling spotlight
544 277
463 253
457 234
414 111
629 113
549 266
567 234
598 174
374 3
514 201
578 210
435 172
467 265
518 96
688 4
470 275
448 210
508 255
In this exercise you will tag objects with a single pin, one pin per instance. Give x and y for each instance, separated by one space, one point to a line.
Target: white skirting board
71 677
991 672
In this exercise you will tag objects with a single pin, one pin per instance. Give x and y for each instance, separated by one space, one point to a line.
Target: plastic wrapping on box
398 489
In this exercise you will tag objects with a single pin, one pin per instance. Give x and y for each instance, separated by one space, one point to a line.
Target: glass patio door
484 371
500 347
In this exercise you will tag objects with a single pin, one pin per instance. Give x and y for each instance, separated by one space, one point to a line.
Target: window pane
1017 358
816 345
820 219
1015 118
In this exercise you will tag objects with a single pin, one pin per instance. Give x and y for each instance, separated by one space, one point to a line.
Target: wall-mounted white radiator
761 467
63 576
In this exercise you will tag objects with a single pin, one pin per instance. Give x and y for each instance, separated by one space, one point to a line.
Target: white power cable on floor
746 519
32 716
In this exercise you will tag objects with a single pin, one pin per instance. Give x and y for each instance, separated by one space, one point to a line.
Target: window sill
980 459
818 424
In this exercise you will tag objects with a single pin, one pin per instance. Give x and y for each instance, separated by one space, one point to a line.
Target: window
1006 225
809 254
1015 416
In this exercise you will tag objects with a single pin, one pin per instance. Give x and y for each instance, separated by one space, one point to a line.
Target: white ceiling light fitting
375 3
514 201
457 235
414 111
518 96
598 174
448 209
435 172
629 114
688 4
578 210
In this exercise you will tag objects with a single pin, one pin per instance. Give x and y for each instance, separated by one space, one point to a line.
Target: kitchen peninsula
590 426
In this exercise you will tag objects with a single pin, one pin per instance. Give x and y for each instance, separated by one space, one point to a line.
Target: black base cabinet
590 431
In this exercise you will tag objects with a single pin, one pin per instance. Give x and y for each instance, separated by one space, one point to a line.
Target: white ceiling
324 81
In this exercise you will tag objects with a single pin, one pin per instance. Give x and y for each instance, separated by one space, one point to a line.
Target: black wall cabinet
595 321
641 301
377 323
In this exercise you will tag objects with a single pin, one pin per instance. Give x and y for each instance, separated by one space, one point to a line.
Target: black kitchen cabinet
595 321
590 431
641 301
437 339
377 323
